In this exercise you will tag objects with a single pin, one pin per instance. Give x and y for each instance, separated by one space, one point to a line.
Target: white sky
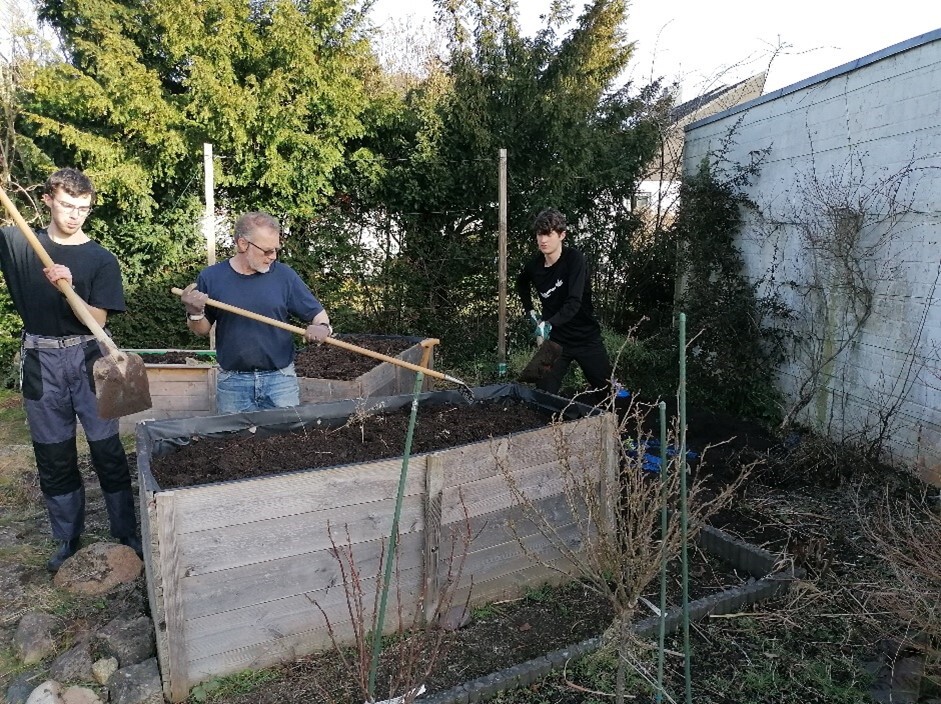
706 44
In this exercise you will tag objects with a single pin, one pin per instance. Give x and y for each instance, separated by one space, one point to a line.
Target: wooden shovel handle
75 301
330 340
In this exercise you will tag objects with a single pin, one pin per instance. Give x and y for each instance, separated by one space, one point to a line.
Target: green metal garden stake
663 553
393 537
684 522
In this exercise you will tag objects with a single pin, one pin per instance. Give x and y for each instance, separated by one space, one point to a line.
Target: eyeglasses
266 252
72 209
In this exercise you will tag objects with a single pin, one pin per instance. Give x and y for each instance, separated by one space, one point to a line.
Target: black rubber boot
120 505
134 542
66 549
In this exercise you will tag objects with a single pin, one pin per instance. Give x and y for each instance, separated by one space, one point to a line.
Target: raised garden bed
234 566
182 385
326 373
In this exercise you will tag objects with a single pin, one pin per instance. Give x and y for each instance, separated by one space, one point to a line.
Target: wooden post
209 217
501 319
171 576
434 488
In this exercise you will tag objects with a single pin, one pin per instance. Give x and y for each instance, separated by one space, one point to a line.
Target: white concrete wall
852 128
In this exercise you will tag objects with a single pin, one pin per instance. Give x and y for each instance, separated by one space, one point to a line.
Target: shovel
465 389
120 378
547 354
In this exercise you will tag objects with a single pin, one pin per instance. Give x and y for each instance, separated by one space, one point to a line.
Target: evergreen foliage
388 193
732 356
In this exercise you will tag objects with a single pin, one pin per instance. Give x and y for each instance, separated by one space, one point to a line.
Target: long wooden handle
75 301
330 340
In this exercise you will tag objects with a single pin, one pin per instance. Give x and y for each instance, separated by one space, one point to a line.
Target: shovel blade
545 358
121 384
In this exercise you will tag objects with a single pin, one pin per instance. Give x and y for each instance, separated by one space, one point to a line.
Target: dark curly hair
549 220
70 180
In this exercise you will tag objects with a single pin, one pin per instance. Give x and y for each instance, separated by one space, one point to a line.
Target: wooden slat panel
162 373
322 390
259 622
493 494
494 528
380 381
527 448
216 506
513 585
299 534
264 582
282 649
181 405
499 560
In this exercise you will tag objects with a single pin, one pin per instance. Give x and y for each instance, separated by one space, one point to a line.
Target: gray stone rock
22 686
136 684
49 692
33 640
80 695
74 665
129 640
102 669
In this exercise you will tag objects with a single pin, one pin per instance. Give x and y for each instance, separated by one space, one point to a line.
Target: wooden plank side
163 373
264 582
261 622
323 390
281 649
486 496
216 506
537 446
514 584
379 381
171 573
495 528
296 534
180 404
499 560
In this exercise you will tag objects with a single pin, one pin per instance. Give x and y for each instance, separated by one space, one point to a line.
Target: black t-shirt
565 293
43 308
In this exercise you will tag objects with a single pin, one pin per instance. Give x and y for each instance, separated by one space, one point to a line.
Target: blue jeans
241 392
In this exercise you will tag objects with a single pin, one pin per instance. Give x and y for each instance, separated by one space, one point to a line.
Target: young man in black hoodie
560 277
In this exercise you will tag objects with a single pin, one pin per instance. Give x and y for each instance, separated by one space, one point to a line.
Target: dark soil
312 361
188 357
361 439
330 362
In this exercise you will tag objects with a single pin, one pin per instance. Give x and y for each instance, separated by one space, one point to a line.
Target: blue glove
543 329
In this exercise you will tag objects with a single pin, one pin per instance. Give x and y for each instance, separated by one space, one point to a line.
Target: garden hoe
465 389
120 377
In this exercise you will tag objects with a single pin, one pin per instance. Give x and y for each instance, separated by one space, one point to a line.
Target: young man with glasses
256 360
57 359
559 274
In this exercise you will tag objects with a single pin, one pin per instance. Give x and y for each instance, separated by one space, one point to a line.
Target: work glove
195 301
543 329
318 332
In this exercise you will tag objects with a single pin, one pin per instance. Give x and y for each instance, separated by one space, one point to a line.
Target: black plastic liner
156 438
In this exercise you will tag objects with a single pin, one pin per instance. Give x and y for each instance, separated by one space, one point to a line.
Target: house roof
719 99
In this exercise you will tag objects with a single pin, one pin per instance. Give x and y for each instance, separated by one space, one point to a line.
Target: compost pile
362 439
330 362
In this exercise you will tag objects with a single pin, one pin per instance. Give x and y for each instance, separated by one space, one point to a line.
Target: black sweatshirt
565 292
